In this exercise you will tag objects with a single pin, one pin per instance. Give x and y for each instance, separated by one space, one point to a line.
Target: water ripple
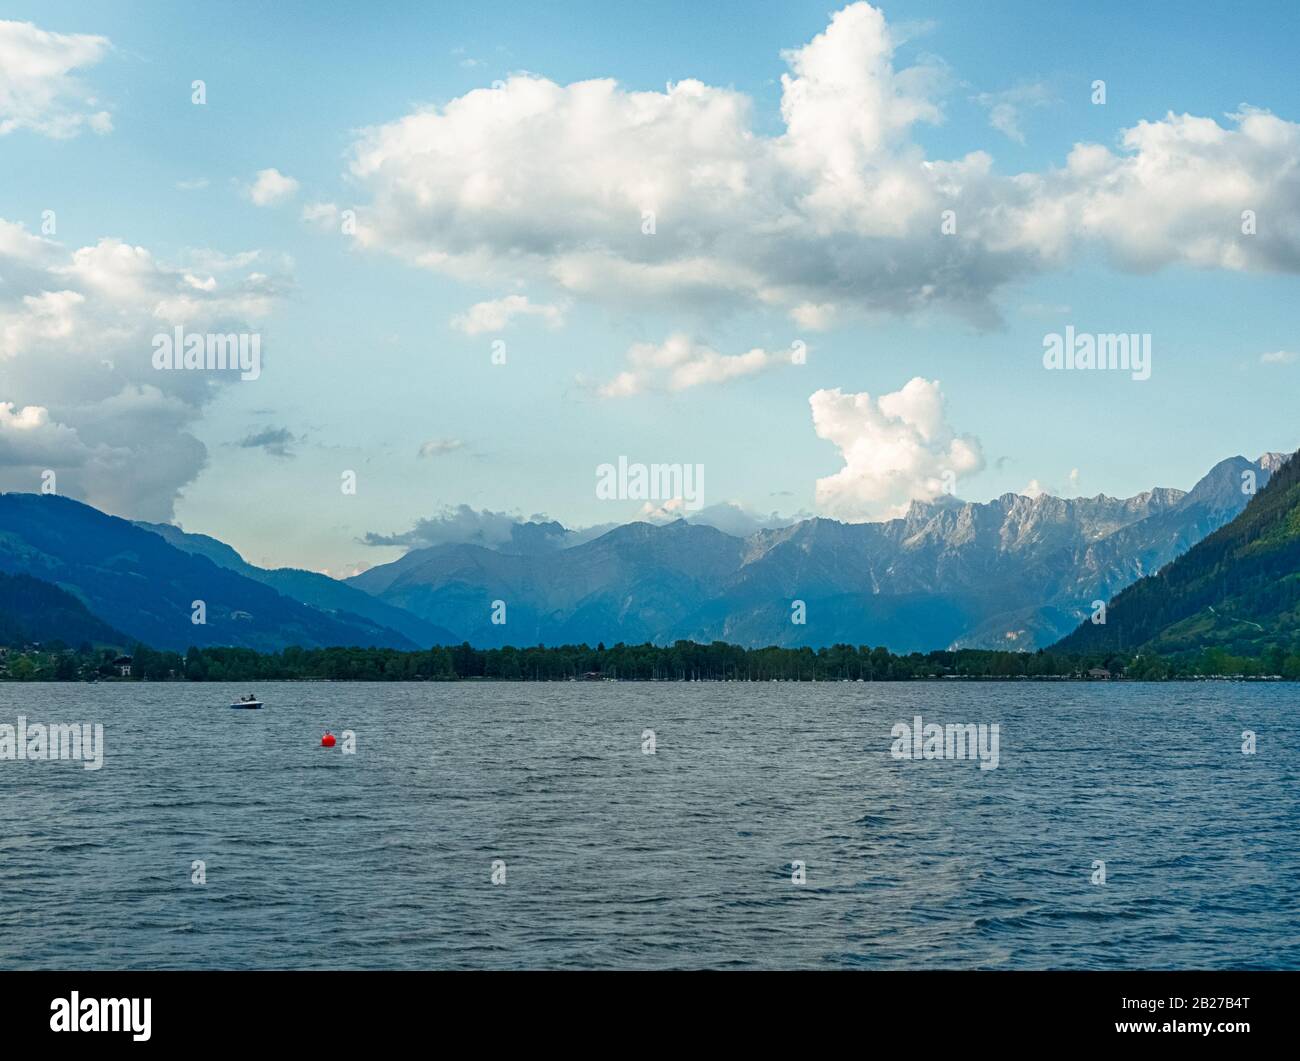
682 859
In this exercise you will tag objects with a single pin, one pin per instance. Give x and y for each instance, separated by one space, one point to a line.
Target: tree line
681 661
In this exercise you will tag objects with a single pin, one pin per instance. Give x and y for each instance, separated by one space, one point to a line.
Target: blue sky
364 365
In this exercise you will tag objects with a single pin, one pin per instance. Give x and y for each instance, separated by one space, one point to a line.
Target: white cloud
219 262
502 530
732 517
497 315
816 317
1037 488
493 530
271 187
28 437
460 524
1005 107
322 215
679 364
536 181
1045 309
1278 357
669 511
439 447
896 449
466 61
38 90
78 390
1175 195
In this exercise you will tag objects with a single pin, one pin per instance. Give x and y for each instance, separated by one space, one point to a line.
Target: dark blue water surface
615 858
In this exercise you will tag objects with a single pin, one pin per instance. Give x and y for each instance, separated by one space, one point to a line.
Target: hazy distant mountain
1014 572
309 587
138 583
629 584
1237 590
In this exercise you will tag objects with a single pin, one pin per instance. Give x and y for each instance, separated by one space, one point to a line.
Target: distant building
123 665
1099 672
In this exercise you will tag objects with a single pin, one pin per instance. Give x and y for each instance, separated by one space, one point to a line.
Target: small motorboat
248 703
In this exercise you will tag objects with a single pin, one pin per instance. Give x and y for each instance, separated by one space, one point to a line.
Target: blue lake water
615 858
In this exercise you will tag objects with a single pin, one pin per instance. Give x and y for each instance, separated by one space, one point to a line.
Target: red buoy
327 741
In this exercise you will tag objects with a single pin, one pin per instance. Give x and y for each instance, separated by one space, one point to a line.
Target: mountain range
1238 590
1011 573
308 587
36 611
136 582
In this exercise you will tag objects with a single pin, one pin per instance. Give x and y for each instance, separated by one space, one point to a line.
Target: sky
485 249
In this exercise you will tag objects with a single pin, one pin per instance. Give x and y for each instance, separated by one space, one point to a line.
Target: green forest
682 661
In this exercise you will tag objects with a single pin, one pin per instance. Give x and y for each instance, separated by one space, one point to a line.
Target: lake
315 858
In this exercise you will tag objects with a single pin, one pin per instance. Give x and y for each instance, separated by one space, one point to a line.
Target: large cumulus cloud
532 180
896 449
79 395
39 89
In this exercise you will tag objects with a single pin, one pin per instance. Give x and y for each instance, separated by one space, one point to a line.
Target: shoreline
479 680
